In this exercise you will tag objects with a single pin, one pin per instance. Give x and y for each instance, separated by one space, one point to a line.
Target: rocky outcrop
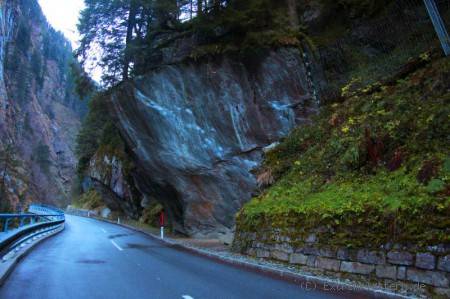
108 176
196 131
39 110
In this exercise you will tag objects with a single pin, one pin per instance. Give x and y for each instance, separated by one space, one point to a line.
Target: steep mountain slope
39 110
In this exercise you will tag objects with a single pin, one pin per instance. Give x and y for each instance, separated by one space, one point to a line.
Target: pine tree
107 27
8 167
115 29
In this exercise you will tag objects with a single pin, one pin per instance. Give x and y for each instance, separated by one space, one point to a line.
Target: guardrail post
5 228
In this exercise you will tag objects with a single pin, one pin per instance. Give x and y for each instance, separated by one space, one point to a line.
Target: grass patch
90 200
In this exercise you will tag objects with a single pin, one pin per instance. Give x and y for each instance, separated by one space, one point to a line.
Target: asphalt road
93 259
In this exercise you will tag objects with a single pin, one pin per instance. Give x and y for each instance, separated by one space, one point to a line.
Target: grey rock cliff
196 131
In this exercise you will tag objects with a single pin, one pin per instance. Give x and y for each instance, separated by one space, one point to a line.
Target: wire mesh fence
378 46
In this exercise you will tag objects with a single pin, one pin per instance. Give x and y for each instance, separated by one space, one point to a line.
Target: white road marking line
103 230
187 297
117 246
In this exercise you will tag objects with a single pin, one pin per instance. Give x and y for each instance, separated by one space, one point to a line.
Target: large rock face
196 131
39 110
6 34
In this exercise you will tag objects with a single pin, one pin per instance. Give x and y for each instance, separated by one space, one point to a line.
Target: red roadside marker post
161 223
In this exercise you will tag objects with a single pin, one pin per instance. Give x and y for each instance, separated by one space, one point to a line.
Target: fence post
439 25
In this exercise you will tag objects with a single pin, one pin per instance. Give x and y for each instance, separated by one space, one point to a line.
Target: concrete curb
8 266
308 282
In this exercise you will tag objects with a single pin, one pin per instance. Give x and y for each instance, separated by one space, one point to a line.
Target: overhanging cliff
196 131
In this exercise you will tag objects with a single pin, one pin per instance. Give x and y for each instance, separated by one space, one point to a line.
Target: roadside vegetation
374 166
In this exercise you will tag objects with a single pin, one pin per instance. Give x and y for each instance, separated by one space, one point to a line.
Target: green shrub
97 129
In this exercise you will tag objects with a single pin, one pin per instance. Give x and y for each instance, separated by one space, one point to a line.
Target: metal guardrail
16 227
36 213
44 209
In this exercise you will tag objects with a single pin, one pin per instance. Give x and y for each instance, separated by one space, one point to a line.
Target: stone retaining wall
394 263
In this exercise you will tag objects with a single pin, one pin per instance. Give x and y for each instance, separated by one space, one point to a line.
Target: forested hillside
40 111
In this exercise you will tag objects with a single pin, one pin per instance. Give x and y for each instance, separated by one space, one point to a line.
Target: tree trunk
129 39
199 7
292 13
216 5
